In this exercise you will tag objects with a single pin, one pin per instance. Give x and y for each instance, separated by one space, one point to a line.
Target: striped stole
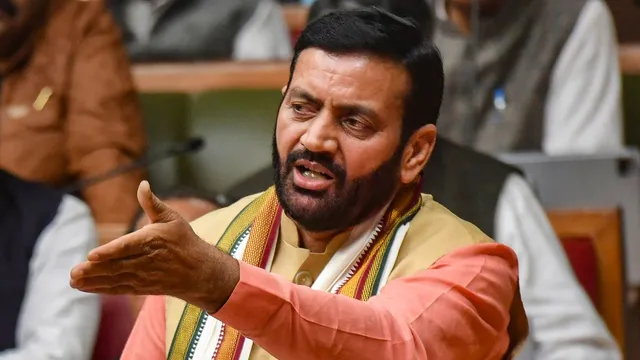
252 237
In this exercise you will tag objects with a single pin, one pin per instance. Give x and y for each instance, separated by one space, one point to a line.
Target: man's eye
353 123
358 128
300 109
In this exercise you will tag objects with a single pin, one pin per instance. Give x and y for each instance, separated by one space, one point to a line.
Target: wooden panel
629 56
603 226
201 77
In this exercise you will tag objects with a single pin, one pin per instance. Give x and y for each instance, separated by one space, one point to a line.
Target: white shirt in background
564 324
265 36
56 321
583 112
582 115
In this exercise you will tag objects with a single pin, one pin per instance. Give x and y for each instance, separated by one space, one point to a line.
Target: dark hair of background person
183 192
370 30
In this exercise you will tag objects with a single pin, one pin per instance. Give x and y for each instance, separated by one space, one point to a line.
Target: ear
284 90
417 152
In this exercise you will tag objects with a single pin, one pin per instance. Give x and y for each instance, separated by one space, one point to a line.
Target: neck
316 242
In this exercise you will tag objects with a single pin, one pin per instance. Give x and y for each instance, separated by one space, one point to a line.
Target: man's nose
321 135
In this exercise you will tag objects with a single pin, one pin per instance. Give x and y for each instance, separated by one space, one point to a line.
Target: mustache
320 158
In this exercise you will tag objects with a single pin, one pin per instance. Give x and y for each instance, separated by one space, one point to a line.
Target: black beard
345 204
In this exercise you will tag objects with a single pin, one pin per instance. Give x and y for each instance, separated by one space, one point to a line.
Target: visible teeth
312 174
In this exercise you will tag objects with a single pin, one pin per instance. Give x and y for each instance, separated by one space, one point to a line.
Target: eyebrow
359 109
352 109
299 93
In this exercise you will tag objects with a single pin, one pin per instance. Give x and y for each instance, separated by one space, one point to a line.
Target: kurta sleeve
456 309
147 340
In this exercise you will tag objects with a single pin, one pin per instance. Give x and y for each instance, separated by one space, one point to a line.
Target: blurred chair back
115 326
593 243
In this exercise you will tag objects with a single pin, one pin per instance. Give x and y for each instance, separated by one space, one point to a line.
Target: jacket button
303 278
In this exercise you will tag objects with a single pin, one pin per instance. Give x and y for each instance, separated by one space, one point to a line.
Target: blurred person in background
189 203
494 196
191 30
535 75
68 108
44 233
563 321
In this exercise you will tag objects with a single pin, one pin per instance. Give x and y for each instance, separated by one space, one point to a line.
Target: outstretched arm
456 309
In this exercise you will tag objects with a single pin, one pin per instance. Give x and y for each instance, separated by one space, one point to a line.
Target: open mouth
313 170
312 176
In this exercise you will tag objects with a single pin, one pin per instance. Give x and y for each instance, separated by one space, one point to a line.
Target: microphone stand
186 147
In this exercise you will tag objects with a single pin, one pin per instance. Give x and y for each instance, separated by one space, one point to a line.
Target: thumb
154 208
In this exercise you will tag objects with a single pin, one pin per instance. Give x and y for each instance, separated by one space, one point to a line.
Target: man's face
336 151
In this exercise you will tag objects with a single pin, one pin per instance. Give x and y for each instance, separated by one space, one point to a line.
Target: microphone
188 146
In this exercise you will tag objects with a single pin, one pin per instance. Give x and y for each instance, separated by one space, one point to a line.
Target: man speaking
343 258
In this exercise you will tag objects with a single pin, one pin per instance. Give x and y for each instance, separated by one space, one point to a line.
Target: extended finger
136 283
95 282
125 246
154 208
116 290
106 268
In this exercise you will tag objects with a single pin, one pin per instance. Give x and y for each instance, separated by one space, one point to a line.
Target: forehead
361 78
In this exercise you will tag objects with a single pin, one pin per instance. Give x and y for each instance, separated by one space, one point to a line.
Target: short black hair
370 30
183 192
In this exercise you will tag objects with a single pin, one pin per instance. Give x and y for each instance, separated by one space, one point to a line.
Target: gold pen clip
42 99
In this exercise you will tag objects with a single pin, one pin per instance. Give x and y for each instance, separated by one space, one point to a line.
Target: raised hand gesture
165 257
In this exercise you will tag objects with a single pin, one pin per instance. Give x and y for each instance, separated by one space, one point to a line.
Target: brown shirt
69 109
